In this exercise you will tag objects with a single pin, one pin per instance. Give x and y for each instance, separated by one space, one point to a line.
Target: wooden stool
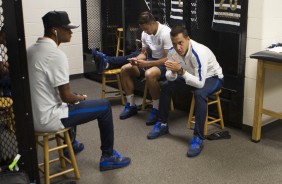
119 92
209 120
44 143
119 37
149 102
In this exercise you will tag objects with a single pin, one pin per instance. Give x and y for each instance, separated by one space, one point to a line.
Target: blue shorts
161 68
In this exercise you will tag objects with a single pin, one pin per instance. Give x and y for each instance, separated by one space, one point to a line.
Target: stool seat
212 99
116 94
43 139
112 71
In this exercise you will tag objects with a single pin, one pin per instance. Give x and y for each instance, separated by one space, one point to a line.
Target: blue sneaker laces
196 141
126 107
116 154
157 127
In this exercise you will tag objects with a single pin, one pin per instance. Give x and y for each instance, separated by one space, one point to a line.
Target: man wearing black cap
54 106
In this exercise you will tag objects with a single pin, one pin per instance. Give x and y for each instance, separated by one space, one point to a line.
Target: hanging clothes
227 15
176 13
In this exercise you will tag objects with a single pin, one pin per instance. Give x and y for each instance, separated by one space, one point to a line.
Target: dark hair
145 18
177 30
48 32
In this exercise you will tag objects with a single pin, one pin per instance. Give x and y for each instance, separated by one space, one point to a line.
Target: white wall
264 28
33 10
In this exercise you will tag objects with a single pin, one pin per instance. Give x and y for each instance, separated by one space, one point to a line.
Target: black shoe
128 111
219 135
113 162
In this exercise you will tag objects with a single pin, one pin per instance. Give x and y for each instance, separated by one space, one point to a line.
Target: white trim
226 22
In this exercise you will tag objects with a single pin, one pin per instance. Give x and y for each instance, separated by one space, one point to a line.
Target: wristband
180 71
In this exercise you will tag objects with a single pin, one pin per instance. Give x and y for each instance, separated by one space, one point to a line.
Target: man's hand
173 65
84 96
140 63
132 61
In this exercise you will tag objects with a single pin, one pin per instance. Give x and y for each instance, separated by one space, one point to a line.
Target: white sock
130 99
163 124
107 66
156 104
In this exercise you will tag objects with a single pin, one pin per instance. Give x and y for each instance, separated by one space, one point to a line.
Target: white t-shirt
48 68
158 42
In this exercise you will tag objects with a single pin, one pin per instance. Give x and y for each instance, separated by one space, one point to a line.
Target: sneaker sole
111 167
150 123
154 137
194 155
125 117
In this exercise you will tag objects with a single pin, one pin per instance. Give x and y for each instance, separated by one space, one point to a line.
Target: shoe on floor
158 130
77 148
219 135
128 111
113 162
153 117
195 147
100 60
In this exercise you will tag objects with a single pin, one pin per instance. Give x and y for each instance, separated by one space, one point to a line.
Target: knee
151 75
125 69
106 103
198 94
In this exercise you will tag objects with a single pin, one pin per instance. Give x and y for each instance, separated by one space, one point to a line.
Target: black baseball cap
57 19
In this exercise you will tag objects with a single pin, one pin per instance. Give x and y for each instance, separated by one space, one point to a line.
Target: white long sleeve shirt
199 62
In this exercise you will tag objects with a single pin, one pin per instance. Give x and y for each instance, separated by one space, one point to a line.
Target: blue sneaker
128 111
195 147
77 148
153 117
100 60
158 130
113 162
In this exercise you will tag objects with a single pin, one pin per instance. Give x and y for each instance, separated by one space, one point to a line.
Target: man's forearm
141 56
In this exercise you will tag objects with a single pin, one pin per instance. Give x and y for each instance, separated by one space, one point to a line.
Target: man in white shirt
195 67
54 106
155 36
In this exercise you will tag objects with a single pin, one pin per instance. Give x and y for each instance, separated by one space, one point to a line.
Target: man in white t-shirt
54 106
155 36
